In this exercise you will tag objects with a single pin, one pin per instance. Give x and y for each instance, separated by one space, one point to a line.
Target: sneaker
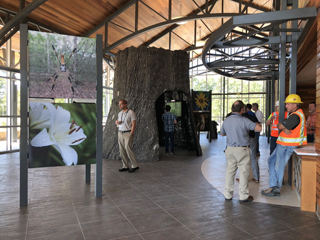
123 169
133 169
271 192
171 153
249 199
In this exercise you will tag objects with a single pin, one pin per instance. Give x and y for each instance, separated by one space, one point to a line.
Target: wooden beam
20 16
109 18
174 26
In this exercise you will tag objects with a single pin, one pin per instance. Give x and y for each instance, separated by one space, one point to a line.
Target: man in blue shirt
169 120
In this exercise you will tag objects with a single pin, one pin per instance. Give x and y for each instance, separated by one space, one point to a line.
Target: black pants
273 144
257 134
310 138
167 136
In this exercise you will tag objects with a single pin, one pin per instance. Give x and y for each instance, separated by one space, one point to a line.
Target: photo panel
61 66
62 134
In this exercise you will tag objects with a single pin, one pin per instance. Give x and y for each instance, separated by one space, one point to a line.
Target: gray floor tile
97 212
108 229
311 231
37 222
155 221
219 229
190 216
286 235
257 224
137 207
180 233
70 232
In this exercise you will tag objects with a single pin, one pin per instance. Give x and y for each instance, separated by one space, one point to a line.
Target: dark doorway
179 101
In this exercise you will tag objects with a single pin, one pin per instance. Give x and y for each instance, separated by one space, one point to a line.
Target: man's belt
125 131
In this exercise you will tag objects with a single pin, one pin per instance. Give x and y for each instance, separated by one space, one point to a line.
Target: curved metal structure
242 49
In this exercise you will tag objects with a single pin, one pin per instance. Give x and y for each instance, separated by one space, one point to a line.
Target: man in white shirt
126 123
259 115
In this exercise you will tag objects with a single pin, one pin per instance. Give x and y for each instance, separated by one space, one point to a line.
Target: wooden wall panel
307 94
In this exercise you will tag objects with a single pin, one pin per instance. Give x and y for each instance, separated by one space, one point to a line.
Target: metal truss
19 17
242 49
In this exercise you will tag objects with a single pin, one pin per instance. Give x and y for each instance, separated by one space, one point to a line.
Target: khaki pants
237 157
126 152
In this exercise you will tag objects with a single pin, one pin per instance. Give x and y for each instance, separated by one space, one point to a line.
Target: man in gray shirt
126 124
236 128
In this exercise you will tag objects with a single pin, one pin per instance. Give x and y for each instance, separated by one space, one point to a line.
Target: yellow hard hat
293 98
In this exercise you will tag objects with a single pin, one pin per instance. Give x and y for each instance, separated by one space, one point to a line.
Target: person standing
169 119
126 123
236 128
253 145
293 134
273 120
259 115
311 122
249 107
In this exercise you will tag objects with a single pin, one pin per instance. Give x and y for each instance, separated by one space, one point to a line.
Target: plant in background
61 134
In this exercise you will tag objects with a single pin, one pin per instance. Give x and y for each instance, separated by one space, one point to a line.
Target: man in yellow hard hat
293 133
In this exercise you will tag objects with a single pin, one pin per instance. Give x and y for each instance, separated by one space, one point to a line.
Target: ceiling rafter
171 28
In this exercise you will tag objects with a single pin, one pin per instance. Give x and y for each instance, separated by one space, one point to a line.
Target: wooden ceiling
77 17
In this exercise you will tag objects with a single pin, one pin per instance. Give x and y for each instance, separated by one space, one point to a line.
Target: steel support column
99 50
106 35
294 55
282 66
23 115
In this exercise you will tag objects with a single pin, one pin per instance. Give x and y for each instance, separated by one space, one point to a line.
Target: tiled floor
169 199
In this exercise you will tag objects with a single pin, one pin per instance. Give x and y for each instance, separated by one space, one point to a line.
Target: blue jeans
273 144
167 136
277 163
257 138
254 160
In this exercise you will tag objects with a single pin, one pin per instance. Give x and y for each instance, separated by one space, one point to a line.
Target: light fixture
180 15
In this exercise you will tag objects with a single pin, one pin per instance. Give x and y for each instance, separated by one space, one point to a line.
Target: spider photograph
61 66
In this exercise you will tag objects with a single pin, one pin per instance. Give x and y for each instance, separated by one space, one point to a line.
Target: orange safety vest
298 135
274 127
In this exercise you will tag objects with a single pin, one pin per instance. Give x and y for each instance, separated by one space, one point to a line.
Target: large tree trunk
142 75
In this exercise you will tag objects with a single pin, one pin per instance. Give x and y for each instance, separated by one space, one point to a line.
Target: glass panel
15 98
3 55
199 83
3 97
3 139
15 121
233 86
214 83
256 86
15 138
4 121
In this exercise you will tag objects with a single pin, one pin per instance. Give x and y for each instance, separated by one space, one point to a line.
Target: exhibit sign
62 134
201 100
61 66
